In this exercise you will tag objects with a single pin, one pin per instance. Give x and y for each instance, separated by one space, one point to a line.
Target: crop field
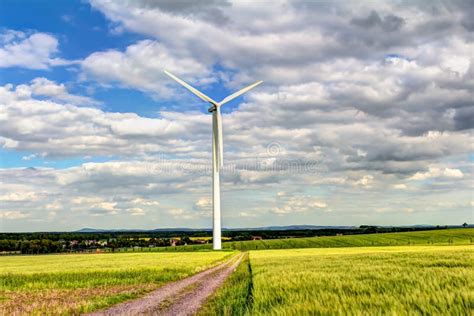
461 236
399 280
448 236
208 238
70 284
429 272
457 236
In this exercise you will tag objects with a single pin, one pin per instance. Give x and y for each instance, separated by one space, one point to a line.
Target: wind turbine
217 152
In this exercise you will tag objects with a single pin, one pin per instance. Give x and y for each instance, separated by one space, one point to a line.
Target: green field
235 296
458 236
429 272
69 284
400 280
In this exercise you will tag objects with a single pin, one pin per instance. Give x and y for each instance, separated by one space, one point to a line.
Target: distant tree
185 239
366 229
464 225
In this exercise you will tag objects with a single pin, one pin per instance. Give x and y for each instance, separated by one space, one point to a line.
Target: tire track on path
183 297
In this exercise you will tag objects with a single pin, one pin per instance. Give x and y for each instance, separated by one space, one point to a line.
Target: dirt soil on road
183 297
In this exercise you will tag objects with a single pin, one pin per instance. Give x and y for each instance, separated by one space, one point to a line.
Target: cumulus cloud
289 203
358 99
140 201
119 193
318 64
55 129
365 181
32 51
18 197
400 186
435 172
141 67
13 215
257 40
42 87
136 211
204 204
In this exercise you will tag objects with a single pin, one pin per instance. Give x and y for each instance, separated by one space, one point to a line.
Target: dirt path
182 297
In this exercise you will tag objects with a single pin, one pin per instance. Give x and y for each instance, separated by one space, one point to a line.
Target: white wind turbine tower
217 151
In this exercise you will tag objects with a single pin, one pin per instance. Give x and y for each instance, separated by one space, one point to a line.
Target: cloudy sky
365 115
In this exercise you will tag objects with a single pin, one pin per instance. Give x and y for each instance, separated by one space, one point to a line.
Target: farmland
59 284
460 236
451 236
375 280
138 241
395 273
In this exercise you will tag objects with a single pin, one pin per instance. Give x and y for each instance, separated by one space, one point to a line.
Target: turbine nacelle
212 108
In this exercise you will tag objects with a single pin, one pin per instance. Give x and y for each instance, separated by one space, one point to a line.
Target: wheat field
71 284
400 280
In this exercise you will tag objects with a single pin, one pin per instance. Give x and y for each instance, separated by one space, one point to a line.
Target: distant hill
183 229
263 228
294 227
94 230
178 229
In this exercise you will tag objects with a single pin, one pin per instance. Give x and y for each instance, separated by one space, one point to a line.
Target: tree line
54 242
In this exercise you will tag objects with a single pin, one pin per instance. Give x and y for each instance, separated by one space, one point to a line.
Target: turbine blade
220 140
236 94
193 90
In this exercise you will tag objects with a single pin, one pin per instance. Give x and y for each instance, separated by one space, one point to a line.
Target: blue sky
357 122
81 31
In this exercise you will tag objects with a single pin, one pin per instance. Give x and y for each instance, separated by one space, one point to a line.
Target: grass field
70 284
235 296
458 236
399 280
428 272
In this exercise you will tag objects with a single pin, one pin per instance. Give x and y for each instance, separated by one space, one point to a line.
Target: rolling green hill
393 280
74 284
456 236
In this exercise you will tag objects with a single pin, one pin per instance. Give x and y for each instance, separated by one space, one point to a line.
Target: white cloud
141 67
89 193
51 128
435 172
400 186
176 211
366 181
35 51
103 208
29 157
204 204
13 215
181 214
54 206
371 94
288 204
146 202
86 200
248 214
19 197
46 88
452 173
136 211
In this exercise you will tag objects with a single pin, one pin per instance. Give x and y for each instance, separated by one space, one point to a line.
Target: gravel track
183 297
